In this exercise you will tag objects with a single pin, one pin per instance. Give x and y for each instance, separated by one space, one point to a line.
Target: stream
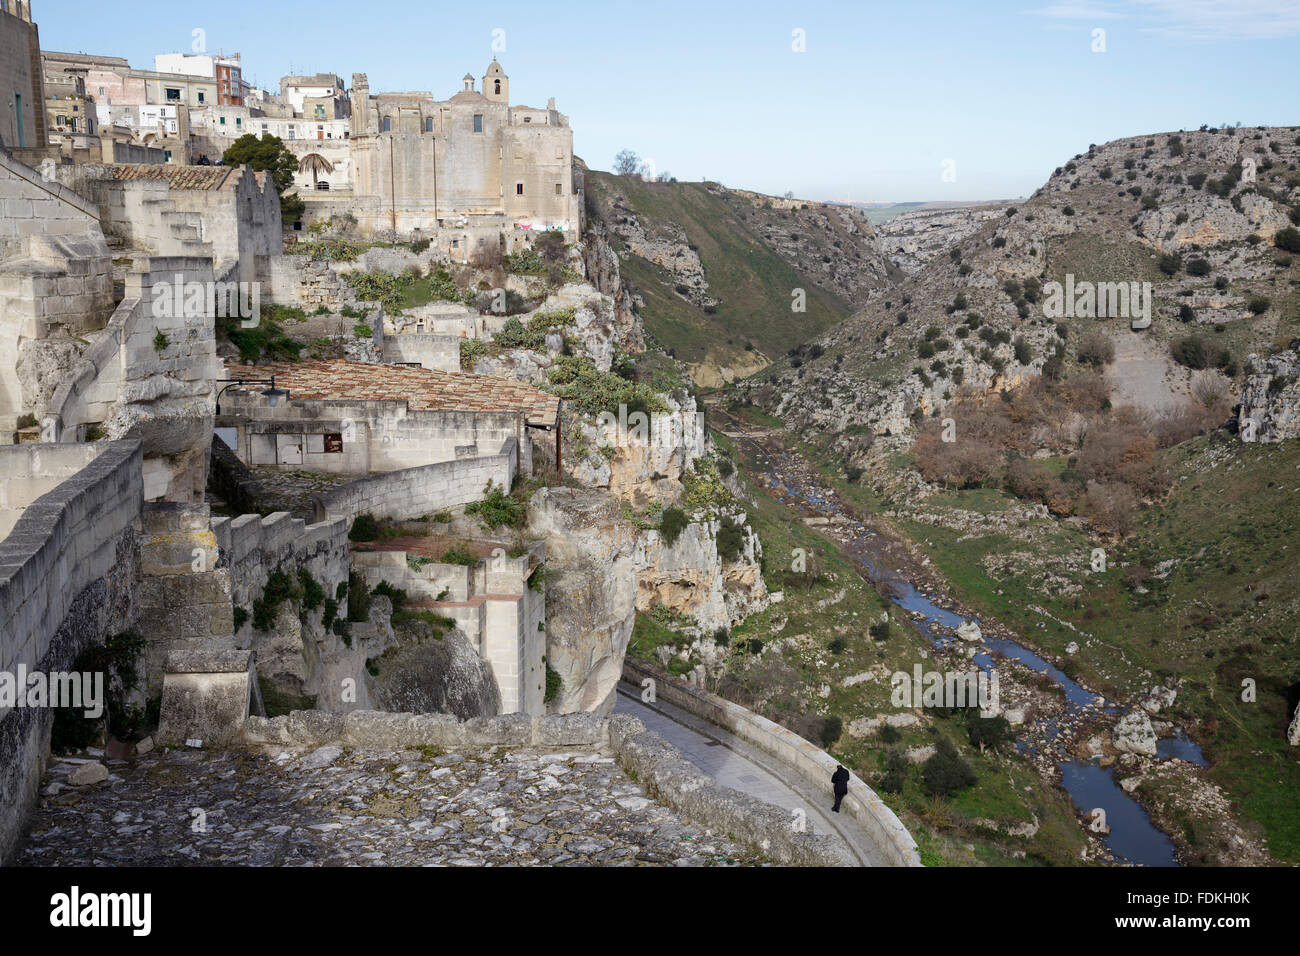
1133 838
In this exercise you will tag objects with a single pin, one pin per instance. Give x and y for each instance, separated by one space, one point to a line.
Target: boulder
1134 734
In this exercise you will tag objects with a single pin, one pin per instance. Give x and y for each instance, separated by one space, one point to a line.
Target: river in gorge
1133 838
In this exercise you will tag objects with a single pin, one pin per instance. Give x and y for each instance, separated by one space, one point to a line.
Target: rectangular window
388 124
200 94
239 121
478 122
222 121
173 94
559 189
428 124
519 189
333 443
18 109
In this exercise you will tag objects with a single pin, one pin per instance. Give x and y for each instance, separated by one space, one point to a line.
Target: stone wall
492 604
368 437
802 758
67 572
20 72
413 492
428 349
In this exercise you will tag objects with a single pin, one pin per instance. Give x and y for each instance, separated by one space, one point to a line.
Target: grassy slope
1229 610
753 283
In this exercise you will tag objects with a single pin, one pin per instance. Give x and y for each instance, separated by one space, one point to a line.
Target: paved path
736 764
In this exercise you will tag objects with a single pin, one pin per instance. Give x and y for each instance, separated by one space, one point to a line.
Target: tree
315 164
627 163
269 155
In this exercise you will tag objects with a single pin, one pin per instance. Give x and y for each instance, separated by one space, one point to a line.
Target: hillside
1010 448
713 271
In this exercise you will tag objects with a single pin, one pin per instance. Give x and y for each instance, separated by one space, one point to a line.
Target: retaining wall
811 763
412 492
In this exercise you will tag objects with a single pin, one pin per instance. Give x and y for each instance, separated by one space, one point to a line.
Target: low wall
412 492
428 349
656 764
814 765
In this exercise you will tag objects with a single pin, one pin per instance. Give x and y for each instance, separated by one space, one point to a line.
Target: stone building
22 98
352 418
466 172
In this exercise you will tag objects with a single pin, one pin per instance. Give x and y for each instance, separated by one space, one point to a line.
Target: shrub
358 599
946 771
895 772
879 631
1288 239
1169 263
731 540
1096 349
1023 355
991 733
498 508
671 525
1198 267
365 527
1258 304
471 350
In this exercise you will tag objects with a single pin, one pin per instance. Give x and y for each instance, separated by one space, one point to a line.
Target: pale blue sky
883 93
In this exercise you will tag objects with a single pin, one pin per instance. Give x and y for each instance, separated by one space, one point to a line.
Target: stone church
461 171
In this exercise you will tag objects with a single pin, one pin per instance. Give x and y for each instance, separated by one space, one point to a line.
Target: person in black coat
840 781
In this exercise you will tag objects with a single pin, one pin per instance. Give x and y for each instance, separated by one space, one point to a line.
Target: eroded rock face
428 675
591 590
639 459
690 578
1271 398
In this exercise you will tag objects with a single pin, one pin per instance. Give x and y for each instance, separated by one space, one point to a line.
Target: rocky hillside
911 239
713 271
1197 215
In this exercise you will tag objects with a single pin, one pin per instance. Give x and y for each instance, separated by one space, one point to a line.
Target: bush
1198 267
358 599
1096 349
671 525
365 527
879 631
731 540
1169 264
991 733
1023 355
1288 239
946 771
498 508
1258 304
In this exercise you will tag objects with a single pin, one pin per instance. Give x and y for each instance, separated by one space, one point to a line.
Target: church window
388 124
496 87
478 122
519 189
428 124
559 189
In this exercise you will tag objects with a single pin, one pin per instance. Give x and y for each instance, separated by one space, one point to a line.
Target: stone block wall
413 492
67 575
428 349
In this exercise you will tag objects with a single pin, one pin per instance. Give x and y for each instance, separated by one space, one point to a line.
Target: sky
865 101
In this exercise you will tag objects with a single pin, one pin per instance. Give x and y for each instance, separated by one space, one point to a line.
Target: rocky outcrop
434 674
591 589
1271 398
911 239
1134 734
639 459
601 264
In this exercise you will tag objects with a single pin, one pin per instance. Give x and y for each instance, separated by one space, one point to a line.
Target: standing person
840 781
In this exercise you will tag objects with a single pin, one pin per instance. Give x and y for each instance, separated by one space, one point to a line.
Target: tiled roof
178 177
420 388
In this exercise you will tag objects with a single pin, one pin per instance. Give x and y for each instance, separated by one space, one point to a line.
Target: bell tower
496 85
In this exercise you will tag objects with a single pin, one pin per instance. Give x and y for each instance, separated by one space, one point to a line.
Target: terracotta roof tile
178 177
420 388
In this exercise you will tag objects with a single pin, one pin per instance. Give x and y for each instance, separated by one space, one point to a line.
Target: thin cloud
1077 10
1224 19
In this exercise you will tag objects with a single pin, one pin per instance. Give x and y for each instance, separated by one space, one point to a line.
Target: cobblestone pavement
332 807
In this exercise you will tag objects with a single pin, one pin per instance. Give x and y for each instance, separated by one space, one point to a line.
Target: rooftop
422 389
178 177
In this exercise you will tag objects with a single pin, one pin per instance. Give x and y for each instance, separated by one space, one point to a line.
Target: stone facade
22 119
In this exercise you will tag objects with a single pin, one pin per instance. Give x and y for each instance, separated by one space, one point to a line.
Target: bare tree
627 163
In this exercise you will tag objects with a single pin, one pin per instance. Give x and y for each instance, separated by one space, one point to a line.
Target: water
1133 837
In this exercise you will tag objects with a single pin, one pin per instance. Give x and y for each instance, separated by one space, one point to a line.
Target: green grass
752 281
1228 610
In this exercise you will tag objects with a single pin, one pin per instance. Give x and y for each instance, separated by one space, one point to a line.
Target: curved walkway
733 763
